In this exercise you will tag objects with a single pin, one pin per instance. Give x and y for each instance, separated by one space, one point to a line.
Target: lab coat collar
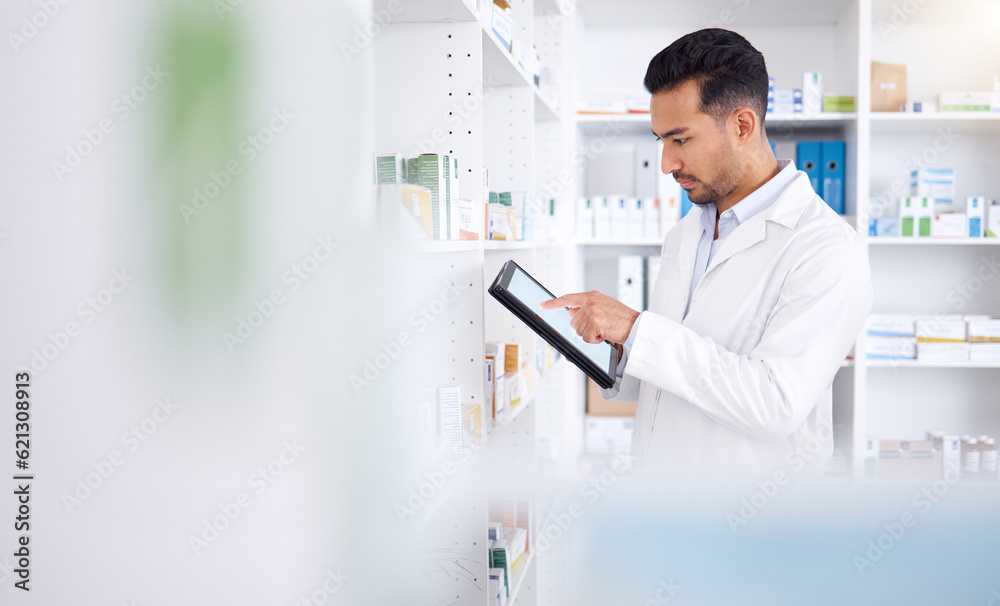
786 211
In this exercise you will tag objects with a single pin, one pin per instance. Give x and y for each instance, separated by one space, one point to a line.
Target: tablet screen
532 294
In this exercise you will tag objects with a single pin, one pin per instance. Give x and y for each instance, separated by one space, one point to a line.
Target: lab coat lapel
786 210
685 266
742 238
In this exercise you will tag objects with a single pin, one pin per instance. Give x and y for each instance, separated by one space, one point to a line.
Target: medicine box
941 331
993 220
891 325
975 210
949 225
784 101
984 331
937 183
971 101
812 92
943 352
915 216
892 348
984 352
884 228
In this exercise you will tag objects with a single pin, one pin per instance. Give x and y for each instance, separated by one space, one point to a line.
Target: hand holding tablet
523 296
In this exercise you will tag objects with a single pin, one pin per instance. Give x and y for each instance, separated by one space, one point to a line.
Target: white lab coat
743 385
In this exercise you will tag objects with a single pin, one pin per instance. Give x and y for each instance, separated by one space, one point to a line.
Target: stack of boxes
984 340
510 541
943 338
510 375
936 456
419 198
806 100
932 211
625 218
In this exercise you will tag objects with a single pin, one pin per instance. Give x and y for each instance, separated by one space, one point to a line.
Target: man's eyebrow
671 133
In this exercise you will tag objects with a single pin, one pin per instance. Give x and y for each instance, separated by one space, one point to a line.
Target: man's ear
746 124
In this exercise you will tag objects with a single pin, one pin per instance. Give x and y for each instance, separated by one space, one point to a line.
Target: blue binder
686 203
808 155
832 175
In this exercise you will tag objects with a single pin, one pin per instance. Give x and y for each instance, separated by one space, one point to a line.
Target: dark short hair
731 72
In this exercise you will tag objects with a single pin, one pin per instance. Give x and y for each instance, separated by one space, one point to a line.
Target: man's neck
758 176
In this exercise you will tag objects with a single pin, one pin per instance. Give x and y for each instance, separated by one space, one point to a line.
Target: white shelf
639 123
694 15
445 246
933 241
920 364
442 496
428 11
431 507
452 246
963 123
519 574
513 245
620 242
545 110
508 418
499 66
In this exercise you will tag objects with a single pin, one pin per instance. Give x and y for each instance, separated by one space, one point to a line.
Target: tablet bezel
604 377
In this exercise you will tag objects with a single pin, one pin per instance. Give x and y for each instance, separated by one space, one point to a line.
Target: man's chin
700 199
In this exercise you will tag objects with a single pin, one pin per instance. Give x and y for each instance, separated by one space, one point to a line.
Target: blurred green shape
197 131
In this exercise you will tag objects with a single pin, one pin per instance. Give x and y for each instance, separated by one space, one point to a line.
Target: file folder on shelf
809 161
631 285
832 175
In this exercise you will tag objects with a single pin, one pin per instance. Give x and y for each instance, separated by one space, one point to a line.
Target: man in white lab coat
761 293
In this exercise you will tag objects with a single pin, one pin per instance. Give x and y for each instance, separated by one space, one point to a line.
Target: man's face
701 156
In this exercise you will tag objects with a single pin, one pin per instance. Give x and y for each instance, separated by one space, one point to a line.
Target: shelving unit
879 145
933 242
920 364
445 85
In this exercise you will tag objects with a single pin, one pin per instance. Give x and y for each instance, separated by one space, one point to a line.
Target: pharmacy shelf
442 496
639 123
426 11
694 15
924 364
464 465
504 245
507 419
545 110
501 69
962 123
453 246
519 572
933 241
499 66
444 246
621 242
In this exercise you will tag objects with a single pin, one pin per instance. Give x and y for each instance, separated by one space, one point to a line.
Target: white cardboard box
606 435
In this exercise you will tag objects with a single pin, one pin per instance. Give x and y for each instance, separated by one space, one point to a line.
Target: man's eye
680 141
